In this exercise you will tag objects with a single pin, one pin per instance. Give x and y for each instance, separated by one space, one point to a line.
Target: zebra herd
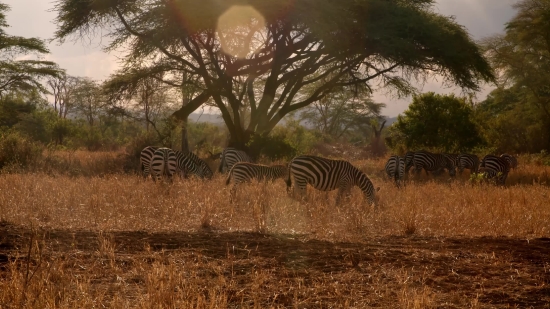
321 173
490 166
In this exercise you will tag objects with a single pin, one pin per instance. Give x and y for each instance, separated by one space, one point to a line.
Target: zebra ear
377 189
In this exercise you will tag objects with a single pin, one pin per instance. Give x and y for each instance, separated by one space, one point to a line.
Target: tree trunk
184 137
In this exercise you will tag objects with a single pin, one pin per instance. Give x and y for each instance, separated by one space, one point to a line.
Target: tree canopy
260 54
21 75
435 122
522 54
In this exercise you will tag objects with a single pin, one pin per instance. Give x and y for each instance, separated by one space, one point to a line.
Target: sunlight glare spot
237 28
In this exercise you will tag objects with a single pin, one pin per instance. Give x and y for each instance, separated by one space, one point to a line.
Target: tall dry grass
424 207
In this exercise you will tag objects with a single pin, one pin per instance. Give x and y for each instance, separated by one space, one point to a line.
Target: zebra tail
288 180
228 180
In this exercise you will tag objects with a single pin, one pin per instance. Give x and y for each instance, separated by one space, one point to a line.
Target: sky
34 18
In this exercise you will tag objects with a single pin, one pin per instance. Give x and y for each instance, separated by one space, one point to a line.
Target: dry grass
115 240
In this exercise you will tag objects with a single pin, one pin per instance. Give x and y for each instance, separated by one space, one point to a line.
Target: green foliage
509 125
516 117
22 75
206 137
273 147
297 137
17 150
435 122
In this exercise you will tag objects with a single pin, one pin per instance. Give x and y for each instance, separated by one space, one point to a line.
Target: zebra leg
232 193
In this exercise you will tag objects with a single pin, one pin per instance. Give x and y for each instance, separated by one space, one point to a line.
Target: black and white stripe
409 161
395 168
493 166
512 161
145 158
163 163
327 175
246 171
468 161
432 162
230 156
190 163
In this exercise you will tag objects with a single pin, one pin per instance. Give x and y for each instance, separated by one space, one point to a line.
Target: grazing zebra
395 168
493 166
453 157
163 163
409 161
230 156
327 175
511 160
145 158
190 163
245 171
469 161
433 162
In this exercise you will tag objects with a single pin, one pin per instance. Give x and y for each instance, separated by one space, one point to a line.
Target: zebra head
279 171
450 164
206 171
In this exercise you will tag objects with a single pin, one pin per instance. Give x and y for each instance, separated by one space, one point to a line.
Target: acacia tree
235 47
22 75
63 88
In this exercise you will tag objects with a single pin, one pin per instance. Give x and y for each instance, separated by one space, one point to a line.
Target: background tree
339 113
435 122
237 47
22 75
63 89
88 100
508 124
520 109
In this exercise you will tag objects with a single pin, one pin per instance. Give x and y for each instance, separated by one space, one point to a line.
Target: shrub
273 147
16 149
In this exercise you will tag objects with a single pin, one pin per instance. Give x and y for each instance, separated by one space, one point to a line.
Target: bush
273 147
18 150
134 148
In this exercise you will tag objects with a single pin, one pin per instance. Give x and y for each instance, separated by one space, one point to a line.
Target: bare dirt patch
180 269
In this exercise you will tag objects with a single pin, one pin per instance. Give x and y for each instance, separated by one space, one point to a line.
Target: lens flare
239 30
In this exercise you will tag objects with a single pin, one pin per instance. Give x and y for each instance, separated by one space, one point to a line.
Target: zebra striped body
145 158
189 163
230 156
432 162
245 171
409 161
453 157
163 163
327 175
493 166
468 161
395 168
512 161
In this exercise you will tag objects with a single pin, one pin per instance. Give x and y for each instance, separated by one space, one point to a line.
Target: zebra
327 175
395 168
163 163
493 166
246 171
469 161
433 162
513 162
230 156
409 161
190 163
145 158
